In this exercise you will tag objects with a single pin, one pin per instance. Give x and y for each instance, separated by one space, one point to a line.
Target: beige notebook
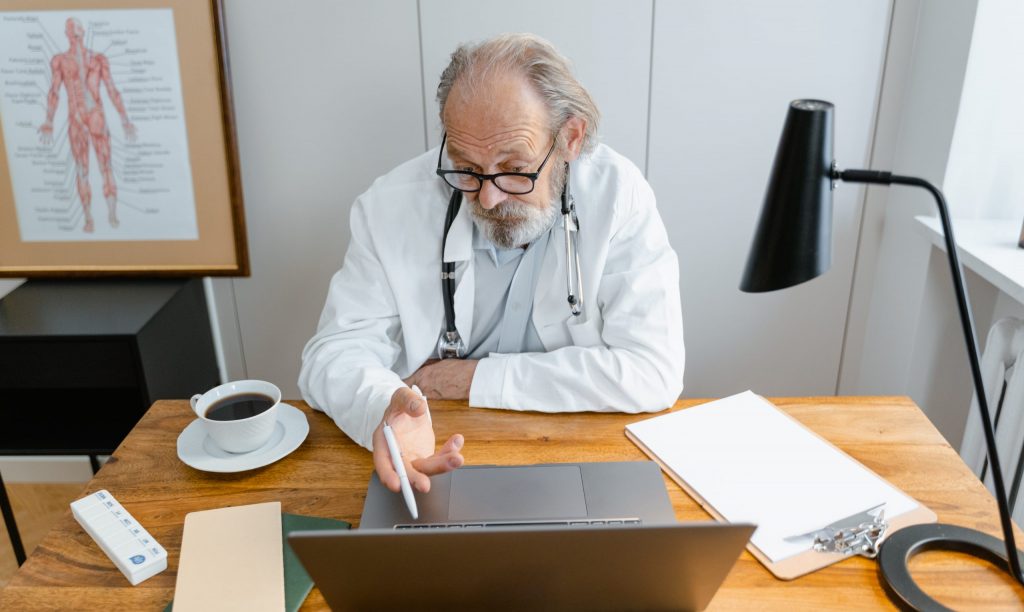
231 559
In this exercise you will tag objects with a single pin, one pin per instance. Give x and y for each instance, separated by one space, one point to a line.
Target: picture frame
118 153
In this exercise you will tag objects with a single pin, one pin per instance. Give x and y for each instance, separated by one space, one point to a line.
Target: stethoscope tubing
572 248
450 344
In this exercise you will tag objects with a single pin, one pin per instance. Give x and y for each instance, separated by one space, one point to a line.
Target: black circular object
897 550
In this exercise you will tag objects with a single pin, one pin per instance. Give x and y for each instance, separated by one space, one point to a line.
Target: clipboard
855 533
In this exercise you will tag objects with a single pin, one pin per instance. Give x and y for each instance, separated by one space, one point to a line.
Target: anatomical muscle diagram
82 72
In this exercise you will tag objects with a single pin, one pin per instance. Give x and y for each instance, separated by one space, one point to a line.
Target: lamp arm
887 178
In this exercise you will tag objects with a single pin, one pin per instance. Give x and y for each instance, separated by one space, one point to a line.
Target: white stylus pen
396 461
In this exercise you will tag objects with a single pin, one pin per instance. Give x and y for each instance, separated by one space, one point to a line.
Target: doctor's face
501 125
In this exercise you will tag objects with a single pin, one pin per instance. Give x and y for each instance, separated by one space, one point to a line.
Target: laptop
583 536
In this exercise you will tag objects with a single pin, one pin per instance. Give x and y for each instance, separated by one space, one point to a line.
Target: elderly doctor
524 331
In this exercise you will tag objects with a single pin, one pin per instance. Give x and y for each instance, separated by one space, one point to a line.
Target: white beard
513 224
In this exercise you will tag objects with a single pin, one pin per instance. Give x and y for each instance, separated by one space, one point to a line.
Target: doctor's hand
410 421
448 379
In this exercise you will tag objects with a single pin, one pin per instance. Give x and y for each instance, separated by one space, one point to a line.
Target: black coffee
237 407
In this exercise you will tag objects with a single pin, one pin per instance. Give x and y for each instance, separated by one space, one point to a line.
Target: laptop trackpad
517 493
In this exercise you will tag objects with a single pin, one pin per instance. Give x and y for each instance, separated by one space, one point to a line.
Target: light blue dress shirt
505 285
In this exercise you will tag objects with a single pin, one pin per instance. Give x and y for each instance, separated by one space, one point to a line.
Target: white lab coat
384 309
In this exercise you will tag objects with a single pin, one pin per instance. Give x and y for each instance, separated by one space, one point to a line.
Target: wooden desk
327 476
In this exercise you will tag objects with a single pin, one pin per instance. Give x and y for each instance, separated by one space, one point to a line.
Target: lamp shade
793 241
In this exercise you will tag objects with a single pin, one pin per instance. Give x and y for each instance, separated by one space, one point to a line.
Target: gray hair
543 66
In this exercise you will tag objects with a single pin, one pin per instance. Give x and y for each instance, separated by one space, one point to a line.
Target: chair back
1002 371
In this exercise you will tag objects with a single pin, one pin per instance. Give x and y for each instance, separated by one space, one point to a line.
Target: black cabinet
81 361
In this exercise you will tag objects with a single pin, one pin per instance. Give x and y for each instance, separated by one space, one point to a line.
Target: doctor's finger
454 443
445 460
417 479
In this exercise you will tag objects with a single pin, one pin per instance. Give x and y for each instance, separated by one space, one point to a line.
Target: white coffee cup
244 434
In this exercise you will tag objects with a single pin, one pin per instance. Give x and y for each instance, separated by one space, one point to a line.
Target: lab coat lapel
459 248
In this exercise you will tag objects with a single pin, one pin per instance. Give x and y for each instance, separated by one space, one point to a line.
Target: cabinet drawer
65 363
67 421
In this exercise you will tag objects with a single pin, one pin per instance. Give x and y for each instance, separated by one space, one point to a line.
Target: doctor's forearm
449 379
355 395
576 379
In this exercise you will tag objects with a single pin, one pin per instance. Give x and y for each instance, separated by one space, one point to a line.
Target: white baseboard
47 468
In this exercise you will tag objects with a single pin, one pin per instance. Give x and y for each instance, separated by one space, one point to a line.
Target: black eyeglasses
512 183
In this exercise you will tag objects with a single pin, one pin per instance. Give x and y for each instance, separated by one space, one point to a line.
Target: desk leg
12 527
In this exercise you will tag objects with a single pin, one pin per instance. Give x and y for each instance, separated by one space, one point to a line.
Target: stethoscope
450 344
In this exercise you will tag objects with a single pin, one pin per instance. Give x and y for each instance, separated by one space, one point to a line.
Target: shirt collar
499 256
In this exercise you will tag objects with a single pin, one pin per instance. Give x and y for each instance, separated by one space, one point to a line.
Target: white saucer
198 450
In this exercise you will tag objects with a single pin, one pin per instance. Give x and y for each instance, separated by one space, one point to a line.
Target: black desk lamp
793 244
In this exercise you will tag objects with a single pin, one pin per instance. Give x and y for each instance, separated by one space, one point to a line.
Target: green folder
297 583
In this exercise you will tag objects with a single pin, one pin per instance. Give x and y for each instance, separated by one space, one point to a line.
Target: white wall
983 180
984 177
961 127
950 112
918 110
896 84
724 75
329 95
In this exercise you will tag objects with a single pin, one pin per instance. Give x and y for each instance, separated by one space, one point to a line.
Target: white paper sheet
752 463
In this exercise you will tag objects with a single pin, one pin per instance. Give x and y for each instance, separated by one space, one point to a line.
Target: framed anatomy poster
118 151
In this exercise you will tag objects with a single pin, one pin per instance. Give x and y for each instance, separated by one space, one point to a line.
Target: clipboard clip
859 534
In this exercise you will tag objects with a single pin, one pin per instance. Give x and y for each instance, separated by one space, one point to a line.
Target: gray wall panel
327 97
724 74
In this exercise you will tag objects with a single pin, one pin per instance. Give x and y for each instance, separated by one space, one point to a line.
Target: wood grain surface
327 476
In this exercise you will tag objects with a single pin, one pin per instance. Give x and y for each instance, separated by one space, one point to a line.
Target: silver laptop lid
666 567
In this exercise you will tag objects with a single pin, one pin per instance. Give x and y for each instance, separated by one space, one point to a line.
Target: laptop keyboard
542 523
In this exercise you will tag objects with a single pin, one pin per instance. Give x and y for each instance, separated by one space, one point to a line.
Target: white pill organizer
136 553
